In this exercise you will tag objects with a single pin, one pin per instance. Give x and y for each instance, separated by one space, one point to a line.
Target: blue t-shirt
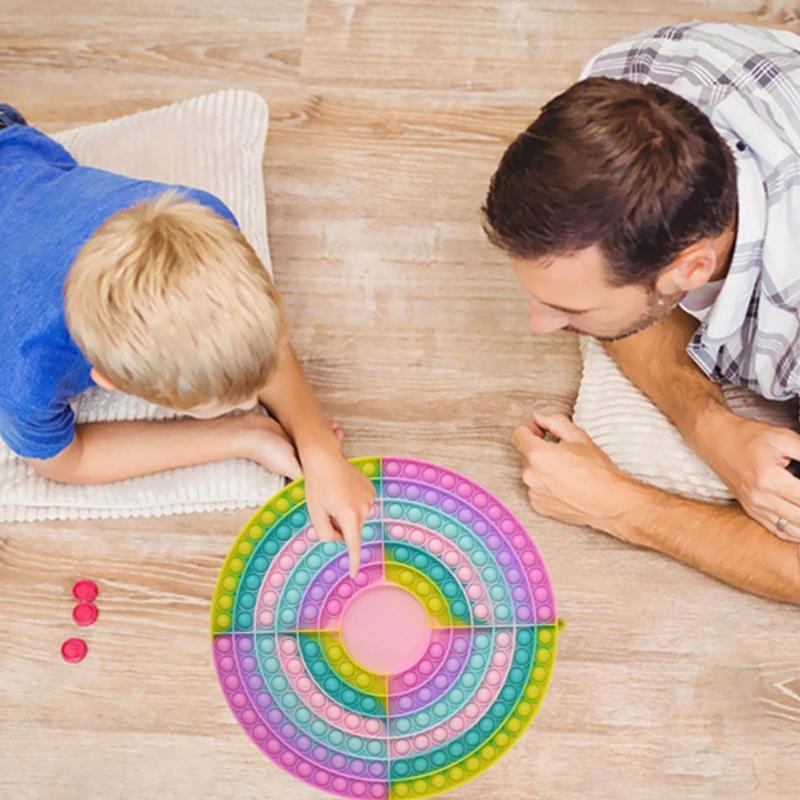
49 207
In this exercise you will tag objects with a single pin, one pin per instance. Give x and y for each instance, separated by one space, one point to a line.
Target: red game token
84 590
74 650
85 614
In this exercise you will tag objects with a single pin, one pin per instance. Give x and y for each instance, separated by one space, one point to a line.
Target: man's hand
339 498
574 481
571 479
751 458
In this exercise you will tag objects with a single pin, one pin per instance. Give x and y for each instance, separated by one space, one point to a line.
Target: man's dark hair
632 168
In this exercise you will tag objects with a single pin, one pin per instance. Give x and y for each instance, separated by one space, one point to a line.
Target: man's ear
693 268
101 380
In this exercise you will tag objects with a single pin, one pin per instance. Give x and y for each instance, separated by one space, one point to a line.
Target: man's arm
574 481
102 452
657 363
750 456
722 541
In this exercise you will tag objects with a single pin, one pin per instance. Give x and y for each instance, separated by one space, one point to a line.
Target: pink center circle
386 629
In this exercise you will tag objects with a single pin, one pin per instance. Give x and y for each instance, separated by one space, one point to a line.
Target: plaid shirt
747 81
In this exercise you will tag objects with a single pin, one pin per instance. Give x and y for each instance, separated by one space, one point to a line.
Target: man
655 205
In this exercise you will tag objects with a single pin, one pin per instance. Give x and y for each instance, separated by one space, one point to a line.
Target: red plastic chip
85 614
74 650
84 590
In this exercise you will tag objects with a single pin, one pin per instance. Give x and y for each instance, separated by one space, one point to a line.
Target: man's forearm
722 541
656 362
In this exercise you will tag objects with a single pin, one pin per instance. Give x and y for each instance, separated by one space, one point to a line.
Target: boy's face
572 293
201 412
210 411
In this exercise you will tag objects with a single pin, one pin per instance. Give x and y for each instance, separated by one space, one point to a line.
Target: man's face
572 293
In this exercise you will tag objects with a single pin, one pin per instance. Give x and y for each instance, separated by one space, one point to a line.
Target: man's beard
659 306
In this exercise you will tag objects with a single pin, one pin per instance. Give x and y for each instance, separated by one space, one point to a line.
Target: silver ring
781 524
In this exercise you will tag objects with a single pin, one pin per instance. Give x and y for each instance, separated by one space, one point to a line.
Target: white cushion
642 441
215 142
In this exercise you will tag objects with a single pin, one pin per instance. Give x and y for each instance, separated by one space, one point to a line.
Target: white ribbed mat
640 440
215 142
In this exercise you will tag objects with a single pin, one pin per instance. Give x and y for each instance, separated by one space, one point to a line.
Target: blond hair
169 301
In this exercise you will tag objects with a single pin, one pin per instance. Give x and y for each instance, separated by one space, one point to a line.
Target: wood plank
387 119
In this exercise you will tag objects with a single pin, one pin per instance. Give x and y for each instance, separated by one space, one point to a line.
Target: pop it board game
410 678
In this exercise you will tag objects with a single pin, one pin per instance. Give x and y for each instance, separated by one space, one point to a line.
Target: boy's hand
338 496
263 440
339 499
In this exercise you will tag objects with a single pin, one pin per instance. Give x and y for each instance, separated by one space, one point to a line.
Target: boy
152 290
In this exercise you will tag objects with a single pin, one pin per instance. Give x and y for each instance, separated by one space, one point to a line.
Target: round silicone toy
410 678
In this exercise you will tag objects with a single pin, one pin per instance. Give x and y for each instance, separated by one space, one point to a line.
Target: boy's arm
102 452
339 497
574 481
290 398
749 456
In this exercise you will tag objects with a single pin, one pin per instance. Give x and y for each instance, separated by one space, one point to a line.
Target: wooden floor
387 120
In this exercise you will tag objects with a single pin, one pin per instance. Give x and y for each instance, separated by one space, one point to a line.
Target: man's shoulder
712 48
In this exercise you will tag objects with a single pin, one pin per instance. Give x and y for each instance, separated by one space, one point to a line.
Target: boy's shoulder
39 381
24 144
36 429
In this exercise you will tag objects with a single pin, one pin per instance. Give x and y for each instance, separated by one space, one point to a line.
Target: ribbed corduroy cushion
642 441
